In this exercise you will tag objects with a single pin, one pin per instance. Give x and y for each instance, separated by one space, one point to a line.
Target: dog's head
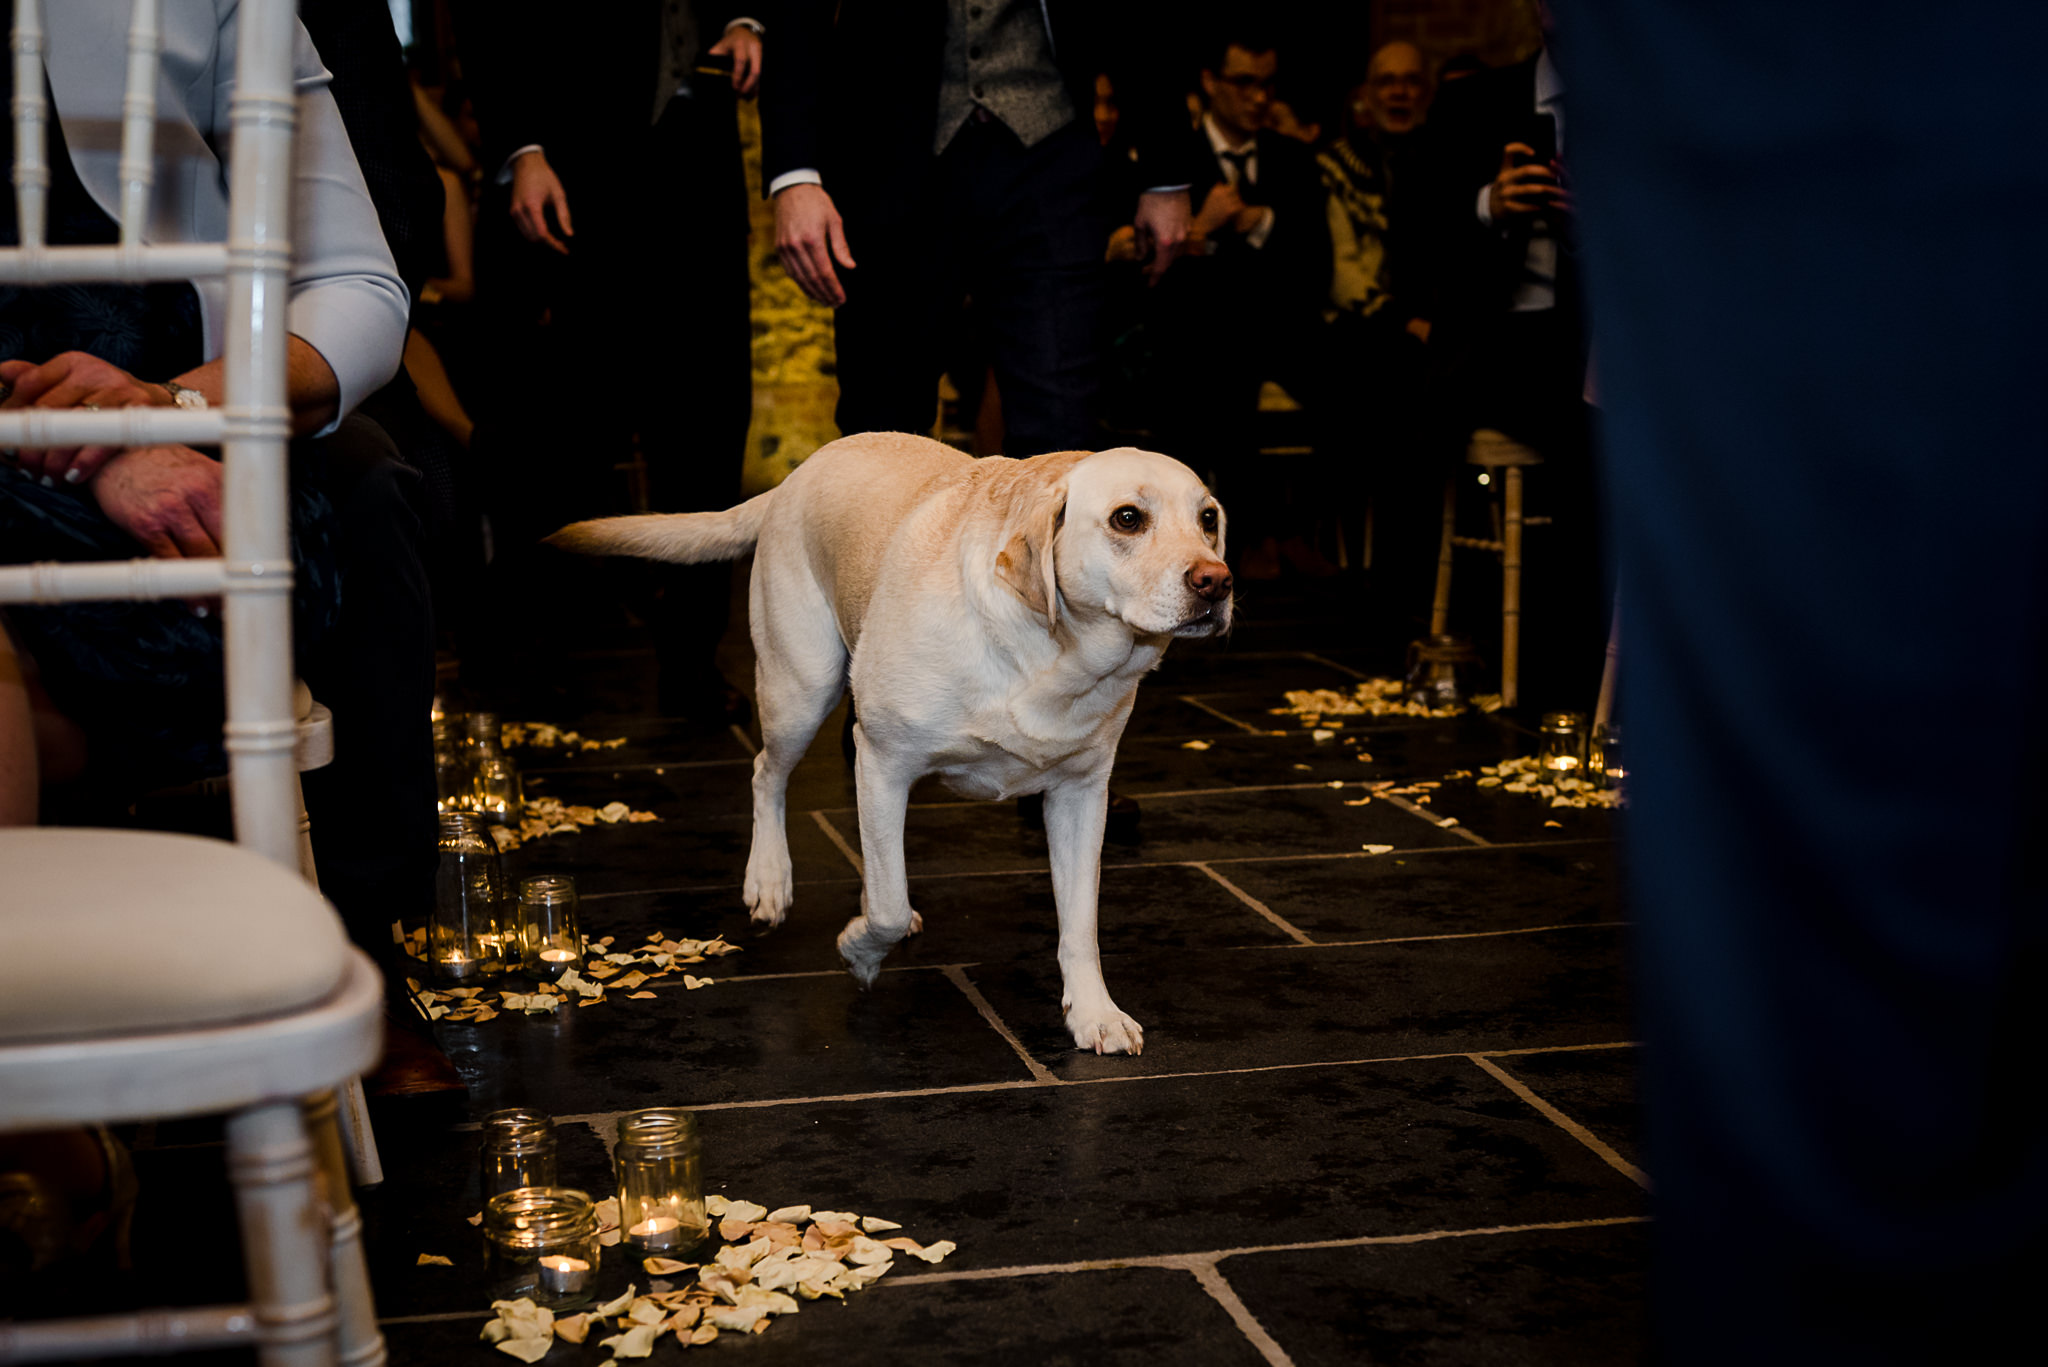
1130 533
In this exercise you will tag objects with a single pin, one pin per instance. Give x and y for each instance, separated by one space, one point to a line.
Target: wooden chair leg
1603 709
357 1340
357 1138
1440 609
1511 591
1365 538
306 867
284 1236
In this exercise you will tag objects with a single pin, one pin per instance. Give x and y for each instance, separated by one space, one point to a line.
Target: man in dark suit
1502 266
1820 355
1245 306
616 156
946 147
1509 342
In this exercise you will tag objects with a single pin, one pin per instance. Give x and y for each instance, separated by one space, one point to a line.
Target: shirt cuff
504 176
760 31
1256 238
1486 204
803 175
1165 189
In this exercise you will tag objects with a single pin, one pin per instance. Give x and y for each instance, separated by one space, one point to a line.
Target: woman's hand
74 379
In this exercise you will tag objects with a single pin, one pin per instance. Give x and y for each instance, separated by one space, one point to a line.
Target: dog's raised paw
862 957
1108 1031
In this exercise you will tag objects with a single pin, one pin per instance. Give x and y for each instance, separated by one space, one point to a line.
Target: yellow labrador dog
993 618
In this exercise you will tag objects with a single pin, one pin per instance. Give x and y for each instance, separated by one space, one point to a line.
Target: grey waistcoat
999 56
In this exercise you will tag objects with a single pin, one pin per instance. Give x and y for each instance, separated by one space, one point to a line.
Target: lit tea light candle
456 967
552 963
661 1231
562 1275
558 956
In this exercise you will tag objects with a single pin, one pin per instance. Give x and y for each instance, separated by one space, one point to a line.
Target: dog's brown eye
1208 519
1127 519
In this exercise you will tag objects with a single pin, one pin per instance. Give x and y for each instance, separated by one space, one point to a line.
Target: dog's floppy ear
1025 564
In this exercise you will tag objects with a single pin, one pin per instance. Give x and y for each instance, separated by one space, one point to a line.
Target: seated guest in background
1378 317
142 682
1243 308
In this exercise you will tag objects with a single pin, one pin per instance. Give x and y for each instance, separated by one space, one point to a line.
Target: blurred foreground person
1817 321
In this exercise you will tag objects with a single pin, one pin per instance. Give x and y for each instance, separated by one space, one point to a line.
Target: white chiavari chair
186 1022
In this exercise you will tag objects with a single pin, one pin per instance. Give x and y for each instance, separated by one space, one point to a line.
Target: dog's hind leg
885 916
800 675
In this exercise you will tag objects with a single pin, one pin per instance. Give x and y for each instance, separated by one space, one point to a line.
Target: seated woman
142 681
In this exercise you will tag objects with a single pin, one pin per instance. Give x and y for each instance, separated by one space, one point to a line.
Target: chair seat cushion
124 932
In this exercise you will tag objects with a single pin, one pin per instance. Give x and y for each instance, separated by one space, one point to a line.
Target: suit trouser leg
1038 226
1822 435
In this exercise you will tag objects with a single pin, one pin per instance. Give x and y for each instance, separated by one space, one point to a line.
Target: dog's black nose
1210 579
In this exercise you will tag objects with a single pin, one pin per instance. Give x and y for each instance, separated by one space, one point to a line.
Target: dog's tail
679 538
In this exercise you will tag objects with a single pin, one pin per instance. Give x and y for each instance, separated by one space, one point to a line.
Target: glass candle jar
518 1151
1564 743
550 944
1606 760
454 782
541 1243
465 935
1440 671
496 792
661 1181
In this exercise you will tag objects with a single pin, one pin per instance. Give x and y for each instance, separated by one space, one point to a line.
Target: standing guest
615 155
947 149
1508 338
1820 395
1243 309
1377 317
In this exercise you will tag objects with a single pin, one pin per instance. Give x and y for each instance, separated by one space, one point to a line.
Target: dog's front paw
768 891
1106 1031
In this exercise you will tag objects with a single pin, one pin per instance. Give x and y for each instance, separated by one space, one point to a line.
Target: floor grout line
1179 1262
1212 1281
975 1088
1193 701
1449 935
655 766
1187 1261
1564 1122
1043 870
1143 796
1256 905
1332 664
1441 823
832 834
957 975
746 741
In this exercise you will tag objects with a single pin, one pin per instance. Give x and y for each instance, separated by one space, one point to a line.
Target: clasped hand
1525 186
74 379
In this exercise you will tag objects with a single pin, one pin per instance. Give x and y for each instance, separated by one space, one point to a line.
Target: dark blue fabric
1817 294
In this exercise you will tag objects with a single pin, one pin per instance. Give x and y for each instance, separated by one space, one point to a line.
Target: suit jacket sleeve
515 102
794 76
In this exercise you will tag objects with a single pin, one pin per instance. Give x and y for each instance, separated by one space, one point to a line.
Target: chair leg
1440 609
1365 538
1603 709
306 869
284 1236
357 1339
357 1137
1511 592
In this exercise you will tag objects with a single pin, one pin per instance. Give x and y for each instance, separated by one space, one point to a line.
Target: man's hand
809 237
1219 210
743 45
1524 186
74 379
166 497
535 190
1162 227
